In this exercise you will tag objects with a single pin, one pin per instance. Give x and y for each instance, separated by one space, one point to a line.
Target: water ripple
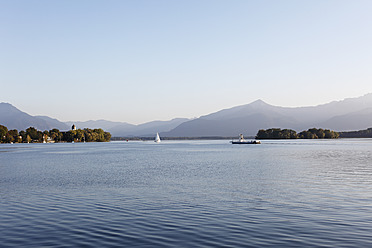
187 195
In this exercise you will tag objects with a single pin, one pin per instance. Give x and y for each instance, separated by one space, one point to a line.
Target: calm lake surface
301 193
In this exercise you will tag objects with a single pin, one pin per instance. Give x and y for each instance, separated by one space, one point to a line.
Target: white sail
157 138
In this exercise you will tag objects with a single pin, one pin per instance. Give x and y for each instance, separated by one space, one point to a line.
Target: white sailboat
157 138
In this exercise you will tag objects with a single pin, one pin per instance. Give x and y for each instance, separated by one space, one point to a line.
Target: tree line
32 135
357 134
312 133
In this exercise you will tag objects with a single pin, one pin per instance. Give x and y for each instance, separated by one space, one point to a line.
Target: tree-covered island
313 133
32 135
357 134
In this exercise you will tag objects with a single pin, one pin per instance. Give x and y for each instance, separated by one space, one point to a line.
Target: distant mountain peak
13 118
367 96
259 102
7 105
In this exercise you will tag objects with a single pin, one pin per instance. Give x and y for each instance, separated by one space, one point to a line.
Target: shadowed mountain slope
13 118
146 129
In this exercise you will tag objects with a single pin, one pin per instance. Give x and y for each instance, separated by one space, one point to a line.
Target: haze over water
187 194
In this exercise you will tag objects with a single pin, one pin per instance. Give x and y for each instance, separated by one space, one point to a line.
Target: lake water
301 193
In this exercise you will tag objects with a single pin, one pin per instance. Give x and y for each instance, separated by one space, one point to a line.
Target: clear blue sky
137 61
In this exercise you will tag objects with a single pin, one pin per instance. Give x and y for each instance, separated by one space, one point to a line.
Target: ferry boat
243 141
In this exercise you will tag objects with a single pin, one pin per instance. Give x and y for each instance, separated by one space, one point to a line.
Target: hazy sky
137 61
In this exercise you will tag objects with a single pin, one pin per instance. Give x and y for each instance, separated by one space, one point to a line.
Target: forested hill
357 134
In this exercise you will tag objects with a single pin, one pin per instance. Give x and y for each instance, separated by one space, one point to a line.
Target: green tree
79 135
14 134
40 136
276 133
3 132
23 136
88 135
107 136
288 134
69 136
100 135
262 134
55 134
320 133
33 133
312 133
306 135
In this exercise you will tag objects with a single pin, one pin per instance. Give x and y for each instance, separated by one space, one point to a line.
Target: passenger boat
243 141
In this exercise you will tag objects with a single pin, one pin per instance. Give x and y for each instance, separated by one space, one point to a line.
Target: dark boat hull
245 142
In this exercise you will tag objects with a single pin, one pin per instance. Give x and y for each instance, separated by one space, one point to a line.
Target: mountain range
13 118
345 115
348 114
